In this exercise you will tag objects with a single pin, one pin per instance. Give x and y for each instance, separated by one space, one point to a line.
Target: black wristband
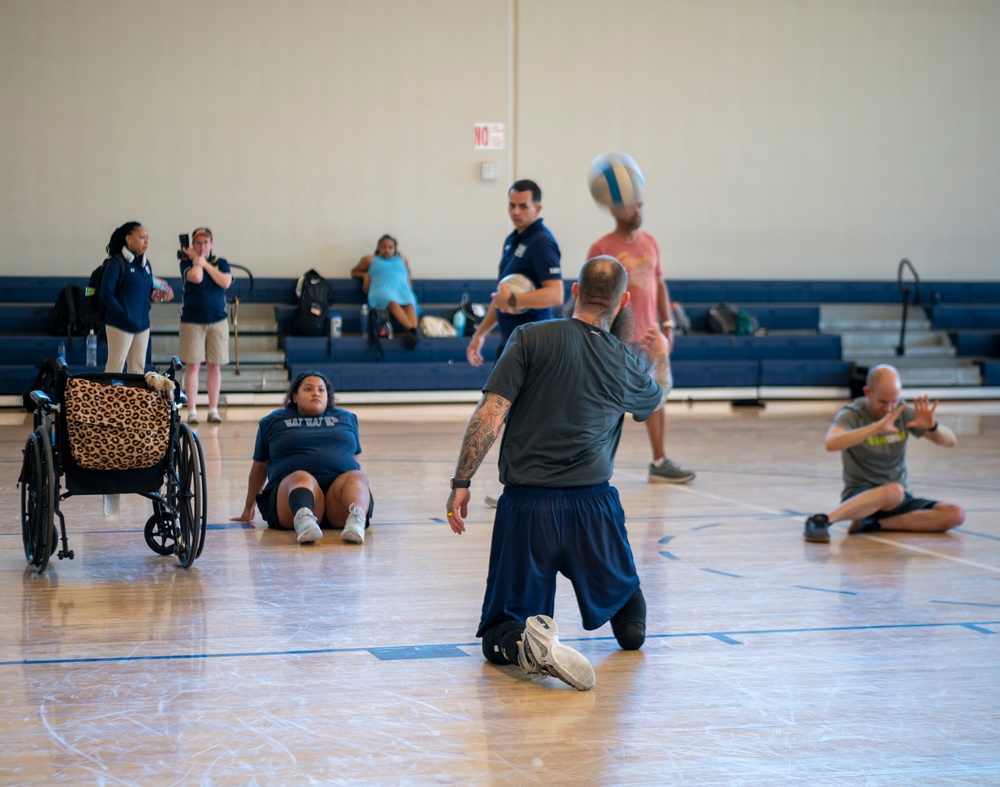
934 428
460 483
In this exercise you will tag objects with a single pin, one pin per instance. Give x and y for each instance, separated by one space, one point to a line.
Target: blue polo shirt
204 302
535 254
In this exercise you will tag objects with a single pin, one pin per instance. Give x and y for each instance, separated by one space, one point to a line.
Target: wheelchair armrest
42 400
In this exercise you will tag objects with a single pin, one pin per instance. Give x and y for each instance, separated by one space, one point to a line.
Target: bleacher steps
869 335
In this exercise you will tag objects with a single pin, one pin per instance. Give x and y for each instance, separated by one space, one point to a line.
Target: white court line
892 542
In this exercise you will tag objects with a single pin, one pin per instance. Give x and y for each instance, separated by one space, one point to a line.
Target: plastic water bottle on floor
91 348
364 319
112 505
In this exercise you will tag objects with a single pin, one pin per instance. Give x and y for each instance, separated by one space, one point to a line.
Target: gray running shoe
541 653
668 473
817 529
354 527
491 501
306 526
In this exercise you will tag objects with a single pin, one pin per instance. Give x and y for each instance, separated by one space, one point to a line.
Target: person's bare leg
305 521
191 389
347 502
880 498
943 516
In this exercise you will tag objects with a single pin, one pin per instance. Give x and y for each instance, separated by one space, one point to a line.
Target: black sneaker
817 529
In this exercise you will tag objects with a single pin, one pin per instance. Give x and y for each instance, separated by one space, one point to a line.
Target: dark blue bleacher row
805 358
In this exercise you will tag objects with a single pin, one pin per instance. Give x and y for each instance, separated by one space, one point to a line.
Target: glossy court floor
874 660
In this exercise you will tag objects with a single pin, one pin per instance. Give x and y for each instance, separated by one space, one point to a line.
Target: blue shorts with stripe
540 532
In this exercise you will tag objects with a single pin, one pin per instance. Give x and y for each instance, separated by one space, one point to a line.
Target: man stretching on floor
871 433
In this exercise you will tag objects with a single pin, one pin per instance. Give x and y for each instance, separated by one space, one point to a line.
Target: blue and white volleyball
616 181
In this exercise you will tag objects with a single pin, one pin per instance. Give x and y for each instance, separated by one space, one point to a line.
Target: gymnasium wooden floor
874 660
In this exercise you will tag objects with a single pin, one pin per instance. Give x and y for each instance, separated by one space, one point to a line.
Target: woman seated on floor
385 276
304 473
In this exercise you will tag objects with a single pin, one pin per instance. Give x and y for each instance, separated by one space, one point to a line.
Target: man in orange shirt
639 253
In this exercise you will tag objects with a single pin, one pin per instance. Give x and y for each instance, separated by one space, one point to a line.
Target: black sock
301 497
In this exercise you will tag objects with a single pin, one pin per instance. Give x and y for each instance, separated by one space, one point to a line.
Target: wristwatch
460 483
512 300
934 428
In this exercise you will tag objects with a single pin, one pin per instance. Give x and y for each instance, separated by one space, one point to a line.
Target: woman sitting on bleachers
385 277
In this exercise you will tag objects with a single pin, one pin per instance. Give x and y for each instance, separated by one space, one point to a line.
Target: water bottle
61 352
91 348
364 319
336 326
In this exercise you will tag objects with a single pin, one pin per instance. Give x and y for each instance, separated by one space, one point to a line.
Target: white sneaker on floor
306 526
354 527
491 501
192 417
541 652
214 417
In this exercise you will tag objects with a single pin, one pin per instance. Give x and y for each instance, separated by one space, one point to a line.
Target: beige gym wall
780 138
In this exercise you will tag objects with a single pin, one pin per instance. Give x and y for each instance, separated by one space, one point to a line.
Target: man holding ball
532 251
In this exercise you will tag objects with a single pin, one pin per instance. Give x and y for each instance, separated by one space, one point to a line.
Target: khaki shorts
205 342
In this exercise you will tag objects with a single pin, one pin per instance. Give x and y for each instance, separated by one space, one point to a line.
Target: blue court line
665 540
965 532
705 527
669 555
963 603
826 590
980 629
723 573
452 650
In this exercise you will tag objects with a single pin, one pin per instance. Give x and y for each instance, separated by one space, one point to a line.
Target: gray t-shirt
881 459
570 385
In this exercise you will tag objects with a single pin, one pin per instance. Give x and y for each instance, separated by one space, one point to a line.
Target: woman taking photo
304 471
127 289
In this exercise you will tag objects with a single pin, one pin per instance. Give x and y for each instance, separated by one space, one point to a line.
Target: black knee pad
629 623
500 642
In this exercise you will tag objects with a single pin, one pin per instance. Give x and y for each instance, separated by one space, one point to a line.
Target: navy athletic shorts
871 524
267 504
540 532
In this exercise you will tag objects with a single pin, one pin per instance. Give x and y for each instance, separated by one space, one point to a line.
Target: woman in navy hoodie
127 289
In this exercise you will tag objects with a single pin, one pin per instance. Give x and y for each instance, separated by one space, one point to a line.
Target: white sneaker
306 526
214 417
192 417
354 527
491 501
541 652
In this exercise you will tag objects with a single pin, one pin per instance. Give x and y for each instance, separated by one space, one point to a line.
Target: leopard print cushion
113 427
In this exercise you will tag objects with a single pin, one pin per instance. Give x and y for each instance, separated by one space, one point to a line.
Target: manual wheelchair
110 434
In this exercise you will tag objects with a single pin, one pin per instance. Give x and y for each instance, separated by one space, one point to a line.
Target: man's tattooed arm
481 433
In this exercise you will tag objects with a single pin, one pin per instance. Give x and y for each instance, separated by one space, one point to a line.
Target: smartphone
185 241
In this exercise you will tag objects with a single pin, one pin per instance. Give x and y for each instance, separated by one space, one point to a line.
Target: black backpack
379 328
45 381
69 317
312 318
93 307
722 318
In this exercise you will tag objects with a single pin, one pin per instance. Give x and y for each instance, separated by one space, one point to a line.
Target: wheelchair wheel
160 531
186 494
37 500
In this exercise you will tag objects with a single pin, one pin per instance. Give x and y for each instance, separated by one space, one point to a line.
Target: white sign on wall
487 136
